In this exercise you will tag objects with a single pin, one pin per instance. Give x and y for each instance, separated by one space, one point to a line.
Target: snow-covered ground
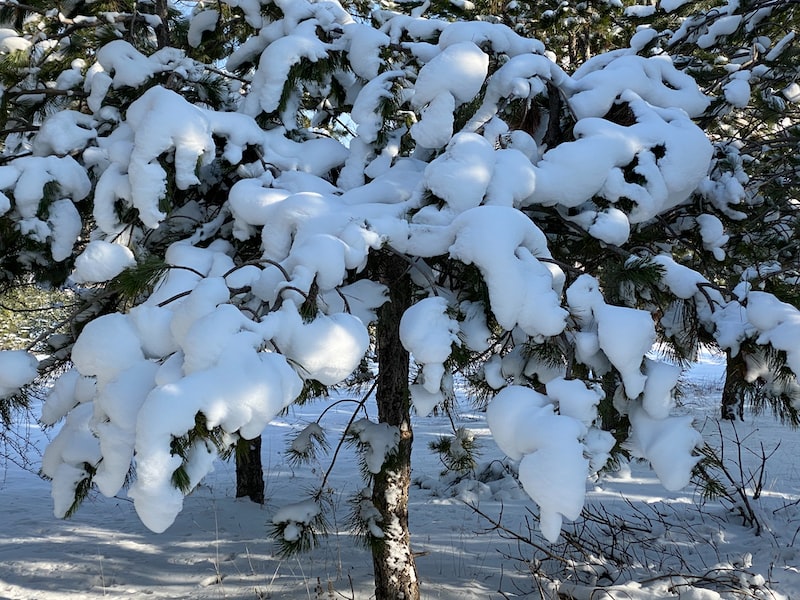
219 546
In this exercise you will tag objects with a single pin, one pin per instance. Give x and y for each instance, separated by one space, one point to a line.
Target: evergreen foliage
234 193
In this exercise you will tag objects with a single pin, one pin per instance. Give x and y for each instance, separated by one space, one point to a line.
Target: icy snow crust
234 343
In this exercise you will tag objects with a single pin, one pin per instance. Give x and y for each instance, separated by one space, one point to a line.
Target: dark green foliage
777 393
307 445
135 282
316 72
9 405
626 280
710 485
213 438
312 390
292 537
82 490
458 452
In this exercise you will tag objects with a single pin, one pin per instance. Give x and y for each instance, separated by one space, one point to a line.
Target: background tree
746 57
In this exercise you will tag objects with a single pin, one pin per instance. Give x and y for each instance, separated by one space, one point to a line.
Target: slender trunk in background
162 31
732 401
249 473
393 561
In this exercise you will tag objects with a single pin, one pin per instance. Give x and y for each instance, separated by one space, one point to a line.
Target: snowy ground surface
219 546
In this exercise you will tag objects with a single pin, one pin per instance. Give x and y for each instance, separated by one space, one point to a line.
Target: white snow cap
625 335
101 261
17 369
667 443
327 349
107 346
553 469
504 244
428 333
453 77
379 439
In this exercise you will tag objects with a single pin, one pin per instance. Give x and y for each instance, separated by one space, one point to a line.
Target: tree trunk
249 474
732 393
393 561
162 30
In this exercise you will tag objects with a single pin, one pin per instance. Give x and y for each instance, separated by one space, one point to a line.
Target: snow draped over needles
17 369
266 282
549 440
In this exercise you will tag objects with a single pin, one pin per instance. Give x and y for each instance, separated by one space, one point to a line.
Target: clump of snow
505 245
461 175
327 349
722 26
242 393
599 82
671 5
17 369
303 442
667 443
368 514
64 132
275 62
162 120
552 469
114 423
423 400
296 517
126 65
781 45
662 378
453 77
365 48
473 329
792 92
360 299
101 261
65 227
778 324
65 457
201 22
428 333
737 90
713 233
107 346
61 398
366 108
153 325
575 399
625 335
11 41
379 440
30 174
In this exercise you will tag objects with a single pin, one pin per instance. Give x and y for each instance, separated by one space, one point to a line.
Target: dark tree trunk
249 474
732 394
393 561
162 30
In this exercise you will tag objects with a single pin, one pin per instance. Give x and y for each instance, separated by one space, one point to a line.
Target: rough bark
249 472
732 407
393 561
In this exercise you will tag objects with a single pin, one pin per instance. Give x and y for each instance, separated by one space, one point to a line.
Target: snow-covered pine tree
745 222
237 225
744 57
